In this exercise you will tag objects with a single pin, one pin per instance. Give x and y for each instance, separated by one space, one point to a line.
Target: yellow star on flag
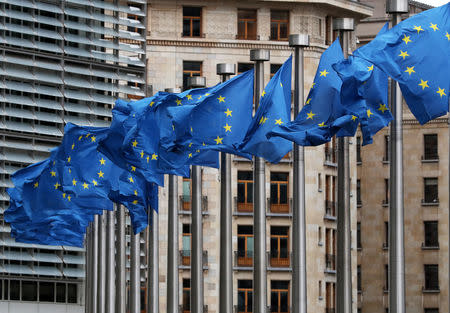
418 28
263 93
53 173
312 86
403 54
278 121
189 97
151 103
73 146
207 94
148 158
322 124
135 192
190 144
382 108
133 168
228 112
79 138
64 195
56 185
74 182
423 84
221 99
354 118
190 155
135 143
154 156
36 184
68 159
406 39
135 202
434 26
262 120
410 70
310 115
447 35
93 138
102 161
308 101
281 84
87 135
178 101
441 92
369 113
218 140
94 182
142 154
69 197
100 174
85 185
227 128
370 68
324 73
131 179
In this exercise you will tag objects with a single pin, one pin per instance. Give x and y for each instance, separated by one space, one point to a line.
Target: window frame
191 22
278 292
278 23
246 36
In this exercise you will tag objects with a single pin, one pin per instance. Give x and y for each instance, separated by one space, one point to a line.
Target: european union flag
365 91
415 54
274 109
219 122
323 115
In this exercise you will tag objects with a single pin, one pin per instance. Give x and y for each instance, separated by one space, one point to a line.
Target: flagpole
135 271
259 191
121 295
226 234
153 262
396 217
87 281
299 282
110 264
172 242
344 261
94 264
101 263
197 225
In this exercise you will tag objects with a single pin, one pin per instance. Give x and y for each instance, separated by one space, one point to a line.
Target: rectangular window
330 151
186 295
246 24
358 235
386 191
434 310
279 192
431 276
186 196
386 235
279 296
329 297
245 245
431 234
279 246
72 293
358 150
29 290
244 67
245 296
186 244
279 25
61 292
14 290
430 147
386 148
359 286
274 69
191 69
319 182
431 190
358 192
192 21
386 276
245 191
46 292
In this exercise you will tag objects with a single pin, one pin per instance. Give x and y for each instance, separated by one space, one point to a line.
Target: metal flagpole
153 262
87 281
94 264
299 287
396 219
259 196
110 264
121 296
135 273
226 235
101 263
344 261
172 242
197 225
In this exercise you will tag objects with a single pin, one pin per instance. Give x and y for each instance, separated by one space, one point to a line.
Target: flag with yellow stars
323 114
274 109
218 122
416 54
365 91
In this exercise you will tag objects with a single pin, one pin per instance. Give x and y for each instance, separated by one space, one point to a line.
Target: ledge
430 290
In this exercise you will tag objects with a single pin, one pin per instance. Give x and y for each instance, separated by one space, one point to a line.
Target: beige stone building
190 38
426 205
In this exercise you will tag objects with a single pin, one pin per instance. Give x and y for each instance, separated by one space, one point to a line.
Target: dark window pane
431 234
277 176
431 277
72 293
241 30
245 230
46 292
274 68
358 149
1 289
186 283
241 301
284 303
283 194
245 175
244 67
431 190
143 304
279 284
279 230
196 26
430 147
251 30
358 235
274 247
283 30
245 284
386 148
273 193
14 292
29 290
279 15
358 191
250 301
186 27
283 247
246 14
192 11
274 30
241 193
249 192
359 278
274 301
60 292
241 246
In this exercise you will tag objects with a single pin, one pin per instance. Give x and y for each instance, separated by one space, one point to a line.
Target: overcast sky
435 3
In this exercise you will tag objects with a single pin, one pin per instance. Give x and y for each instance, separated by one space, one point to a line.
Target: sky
435 3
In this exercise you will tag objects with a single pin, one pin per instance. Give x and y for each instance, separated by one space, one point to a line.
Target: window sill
385 247
331 164
330 271
429 203
359 249
385 290
430 247
360 292
430 290
430 160
385 204
386 162
320 244
358 162
330 217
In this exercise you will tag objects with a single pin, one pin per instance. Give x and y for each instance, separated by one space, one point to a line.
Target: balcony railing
330 156
279 259
241 208
330 209
243 258
185 204
243 309
279 208
330 262
185 258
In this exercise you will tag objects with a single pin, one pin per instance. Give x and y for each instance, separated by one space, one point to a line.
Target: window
274 68
279 25
430 147
245 191
329 249
46 292
279 296
279 246
72 293
245 296
431 190
431 276
359 278
14 290
186 196
329 33
319 234
386 277
330 193
358 192
358 235
358 150
186 244
320 290
245 245
329 297
279 192
386 148
386 235
191 69
244 67
319 182
386 191
192 22
330 152
186 295
60 292
246 24
431 234
434 310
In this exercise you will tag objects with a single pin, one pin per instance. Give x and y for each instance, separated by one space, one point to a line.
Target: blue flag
323 116
218 122
365 91
415 54
274 109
